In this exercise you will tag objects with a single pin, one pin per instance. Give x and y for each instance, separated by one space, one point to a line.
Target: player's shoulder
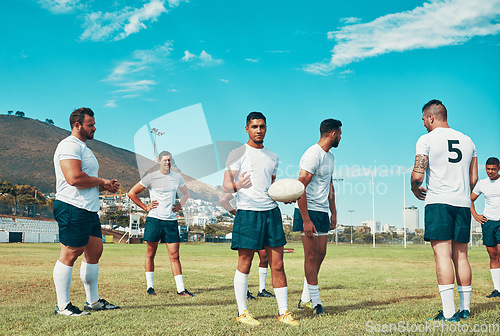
70 144
270 153
236 154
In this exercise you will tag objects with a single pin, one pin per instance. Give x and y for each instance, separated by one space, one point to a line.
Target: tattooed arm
417 176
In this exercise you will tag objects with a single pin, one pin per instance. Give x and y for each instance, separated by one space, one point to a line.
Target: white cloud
110 103
173 90
203 60
252 60
432 25
130 96
224 80
141 85
140 61
60 6
207 60
118 25
349 20
188 56
278 51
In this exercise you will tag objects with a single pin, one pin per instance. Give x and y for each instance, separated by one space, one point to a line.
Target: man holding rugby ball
250 170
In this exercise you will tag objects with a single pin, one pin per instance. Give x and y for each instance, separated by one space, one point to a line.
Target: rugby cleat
440 317
250 296
185 292
464 314
151 291
287 318
318 309
264 293
101 304
247 318
305 305
495 293
70 310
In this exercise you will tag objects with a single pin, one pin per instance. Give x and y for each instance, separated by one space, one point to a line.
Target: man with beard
250 171
75 210
490 219
449 159
311 212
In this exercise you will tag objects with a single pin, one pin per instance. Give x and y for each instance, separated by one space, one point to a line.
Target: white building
388 228
369 223
411 218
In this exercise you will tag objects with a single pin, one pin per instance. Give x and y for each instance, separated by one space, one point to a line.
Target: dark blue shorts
319 218
255 230
76 225
447 222
491 233
163 231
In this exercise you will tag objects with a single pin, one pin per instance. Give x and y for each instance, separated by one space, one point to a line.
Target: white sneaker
71 310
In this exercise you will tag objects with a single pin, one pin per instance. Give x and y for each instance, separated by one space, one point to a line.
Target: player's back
450 154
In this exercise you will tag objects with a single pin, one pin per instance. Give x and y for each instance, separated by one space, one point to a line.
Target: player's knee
494 255
278 267
174 256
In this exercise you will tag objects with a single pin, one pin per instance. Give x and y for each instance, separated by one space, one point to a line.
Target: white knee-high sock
448 299
306 296
262 278
62 279
282 298
149 279
179 283
495 276
240 290
464 292
314 292
89 273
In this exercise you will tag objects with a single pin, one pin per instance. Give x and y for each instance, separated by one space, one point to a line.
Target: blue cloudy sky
370 64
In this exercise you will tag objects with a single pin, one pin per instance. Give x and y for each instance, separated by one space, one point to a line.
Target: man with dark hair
449 159
75 210
250 170
161 222
490 219
311 211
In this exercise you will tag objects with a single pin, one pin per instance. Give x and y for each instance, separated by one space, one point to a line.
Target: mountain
26 157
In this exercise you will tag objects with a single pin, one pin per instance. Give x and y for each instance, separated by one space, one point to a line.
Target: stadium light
351 211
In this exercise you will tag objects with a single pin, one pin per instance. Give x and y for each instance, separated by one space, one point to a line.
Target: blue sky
370 64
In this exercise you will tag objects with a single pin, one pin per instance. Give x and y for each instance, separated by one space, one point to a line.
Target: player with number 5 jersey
449 160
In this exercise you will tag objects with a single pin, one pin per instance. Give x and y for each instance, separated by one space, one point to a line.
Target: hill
26 157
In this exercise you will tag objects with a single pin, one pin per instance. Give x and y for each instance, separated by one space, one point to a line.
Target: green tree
120 218
20 114
10 112
209 230
49 121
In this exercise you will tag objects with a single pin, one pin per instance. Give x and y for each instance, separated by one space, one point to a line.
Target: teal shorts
76 225
491 233
163 231
447 222
255 230
319 218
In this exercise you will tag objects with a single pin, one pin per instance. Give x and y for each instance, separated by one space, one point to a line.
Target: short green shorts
319 218
76 225
491 233
163 231
447 222
255 230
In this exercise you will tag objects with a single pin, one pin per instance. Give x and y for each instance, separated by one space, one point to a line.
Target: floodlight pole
351 211
156 132
404 209
336 231
373 206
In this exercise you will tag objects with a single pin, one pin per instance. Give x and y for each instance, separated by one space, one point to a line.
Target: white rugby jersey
450 153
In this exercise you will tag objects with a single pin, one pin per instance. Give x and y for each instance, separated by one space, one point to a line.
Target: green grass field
358 284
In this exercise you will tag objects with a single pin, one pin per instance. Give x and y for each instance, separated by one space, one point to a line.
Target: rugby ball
286 190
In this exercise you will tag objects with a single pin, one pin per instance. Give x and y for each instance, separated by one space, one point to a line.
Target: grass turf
361 287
